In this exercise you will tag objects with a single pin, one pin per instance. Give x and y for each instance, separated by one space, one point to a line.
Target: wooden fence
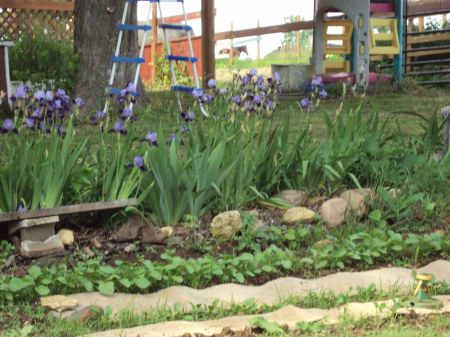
19 17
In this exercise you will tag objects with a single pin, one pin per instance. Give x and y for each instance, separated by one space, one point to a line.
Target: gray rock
294 198
32 249
335 211
226 225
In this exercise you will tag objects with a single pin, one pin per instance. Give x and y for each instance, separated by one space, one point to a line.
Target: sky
244 15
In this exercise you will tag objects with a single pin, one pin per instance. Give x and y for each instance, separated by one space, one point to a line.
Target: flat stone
226 225
356 199
66 236
32 249
294 198
59 302
299 214
335 211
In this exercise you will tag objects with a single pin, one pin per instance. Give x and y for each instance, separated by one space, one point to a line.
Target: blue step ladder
171 58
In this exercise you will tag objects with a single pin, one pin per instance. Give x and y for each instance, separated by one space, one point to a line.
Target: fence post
231 45
258 52
299 41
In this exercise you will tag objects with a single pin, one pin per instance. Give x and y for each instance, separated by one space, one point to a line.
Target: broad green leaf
106 288
42 290
142 282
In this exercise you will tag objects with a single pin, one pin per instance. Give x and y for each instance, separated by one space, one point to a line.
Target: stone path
270 293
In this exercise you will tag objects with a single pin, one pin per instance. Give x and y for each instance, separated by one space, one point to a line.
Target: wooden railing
20 17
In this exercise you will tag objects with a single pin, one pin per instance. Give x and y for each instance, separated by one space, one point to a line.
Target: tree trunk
95 39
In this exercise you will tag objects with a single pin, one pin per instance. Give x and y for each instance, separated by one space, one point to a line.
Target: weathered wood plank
64 210
45 5
287 27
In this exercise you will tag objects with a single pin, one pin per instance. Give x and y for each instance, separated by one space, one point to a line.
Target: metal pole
154 40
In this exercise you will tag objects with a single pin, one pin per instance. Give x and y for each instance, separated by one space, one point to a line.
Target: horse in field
236 50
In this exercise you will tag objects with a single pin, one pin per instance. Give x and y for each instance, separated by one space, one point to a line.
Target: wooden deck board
64 210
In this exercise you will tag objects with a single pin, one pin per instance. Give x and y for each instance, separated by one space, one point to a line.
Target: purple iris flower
37 113
323 94
48 96
99 114
261 86
139 162
317 81
57 103
207 98
249 106
79 102
245 80
60 92
197 92
223 90
151 138
126 113
188 116
39 95
237 100
173 137
305 102
21 208
8 126
184 128
21 92
212 83
129 89
269 103
257 99
29 123
66 99
252 72
120 128
276 76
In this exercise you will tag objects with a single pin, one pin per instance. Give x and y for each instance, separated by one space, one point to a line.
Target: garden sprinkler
421 297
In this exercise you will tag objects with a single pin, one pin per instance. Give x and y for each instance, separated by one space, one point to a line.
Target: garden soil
270 293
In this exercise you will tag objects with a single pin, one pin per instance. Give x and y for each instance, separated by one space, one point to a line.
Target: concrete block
39 229
32 249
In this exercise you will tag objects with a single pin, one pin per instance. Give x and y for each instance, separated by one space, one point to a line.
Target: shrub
40 59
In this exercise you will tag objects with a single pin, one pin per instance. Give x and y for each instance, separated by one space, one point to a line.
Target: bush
40 59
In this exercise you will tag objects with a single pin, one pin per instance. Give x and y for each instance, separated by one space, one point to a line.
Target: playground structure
361 36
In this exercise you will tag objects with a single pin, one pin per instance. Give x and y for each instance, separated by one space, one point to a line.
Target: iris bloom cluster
41 111
255 94
317 94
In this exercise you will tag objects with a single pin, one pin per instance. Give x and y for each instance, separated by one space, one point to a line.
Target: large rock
335 211
294 198
226 225
299 214
356 199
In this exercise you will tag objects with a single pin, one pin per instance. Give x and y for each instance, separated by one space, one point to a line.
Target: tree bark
95 39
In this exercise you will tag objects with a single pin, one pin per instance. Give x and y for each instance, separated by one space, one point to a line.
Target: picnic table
33 232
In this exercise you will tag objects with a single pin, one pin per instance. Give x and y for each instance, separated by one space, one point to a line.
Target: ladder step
181 88
116 91
177 27
133 27
181 58
127 59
